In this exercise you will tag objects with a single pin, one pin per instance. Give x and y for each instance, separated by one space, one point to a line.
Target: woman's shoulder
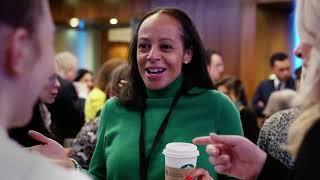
112 103
213 98
210 96
281 120
219 97
208 93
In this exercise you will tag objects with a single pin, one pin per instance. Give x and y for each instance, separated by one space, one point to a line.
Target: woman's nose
154 54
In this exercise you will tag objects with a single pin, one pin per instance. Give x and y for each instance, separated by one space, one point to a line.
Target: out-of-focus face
71 74
160 51
41 56
88 80
282 69
50 91
216 67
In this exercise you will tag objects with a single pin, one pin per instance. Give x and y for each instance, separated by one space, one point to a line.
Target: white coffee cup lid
181 150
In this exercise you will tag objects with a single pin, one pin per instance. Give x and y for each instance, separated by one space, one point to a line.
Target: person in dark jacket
67 112
280 65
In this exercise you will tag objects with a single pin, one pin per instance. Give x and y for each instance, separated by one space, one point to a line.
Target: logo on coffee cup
187 166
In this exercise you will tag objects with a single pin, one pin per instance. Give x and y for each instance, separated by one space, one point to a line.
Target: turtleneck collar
168 91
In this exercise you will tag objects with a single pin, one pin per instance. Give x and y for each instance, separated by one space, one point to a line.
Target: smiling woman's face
160 51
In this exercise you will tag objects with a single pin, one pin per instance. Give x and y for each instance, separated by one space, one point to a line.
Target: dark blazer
67 112
264 91
36 123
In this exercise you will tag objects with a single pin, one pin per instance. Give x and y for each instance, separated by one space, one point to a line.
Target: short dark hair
278 56
234 84
195 73
21 13
209 53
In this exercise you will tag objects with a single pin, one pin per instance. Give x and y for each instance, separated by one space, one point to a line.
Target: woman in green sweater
169 98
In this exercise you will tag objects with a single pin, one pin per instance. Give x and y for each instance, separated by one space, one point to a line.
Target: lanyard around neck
145 159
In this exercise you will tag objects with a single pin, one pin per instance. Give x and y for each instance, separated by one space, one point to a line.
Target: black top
308 159
36 123
264 91
249 124
306 165
67 112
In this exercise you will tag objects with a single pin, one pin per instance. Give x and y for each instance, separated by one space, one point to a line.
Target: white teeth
155 70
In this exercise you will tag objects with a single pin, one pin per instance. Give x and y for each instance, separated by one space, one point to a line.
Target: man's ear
187 56
17 52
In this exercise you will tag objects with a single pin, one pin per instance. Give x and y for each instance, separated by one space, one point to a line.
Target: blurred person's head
308 15
215 64
104 73
233 88
26 58
118 80
50 91
67 65
280 100
165 46
281 66
86 77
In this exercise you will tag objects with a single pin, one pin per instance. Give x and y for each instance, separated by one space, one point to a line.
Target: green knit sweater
116 156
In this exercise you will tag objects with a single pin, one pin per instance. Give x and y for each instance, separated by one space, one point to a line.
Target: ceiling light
74 22
113 21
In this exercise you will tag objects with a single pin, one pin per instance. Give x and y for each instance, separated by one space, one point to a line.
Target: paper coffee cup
180 160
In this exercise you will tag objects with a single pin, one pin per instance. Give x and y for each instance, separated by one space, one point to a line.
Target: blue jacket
264 91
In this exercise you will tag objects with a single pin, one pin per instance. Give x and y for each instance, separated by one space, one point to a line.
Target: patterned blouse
85 143
274 134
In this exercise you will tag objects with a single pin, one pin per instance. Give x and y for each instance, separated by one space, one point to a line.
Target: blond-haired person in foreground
26 63
238 157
